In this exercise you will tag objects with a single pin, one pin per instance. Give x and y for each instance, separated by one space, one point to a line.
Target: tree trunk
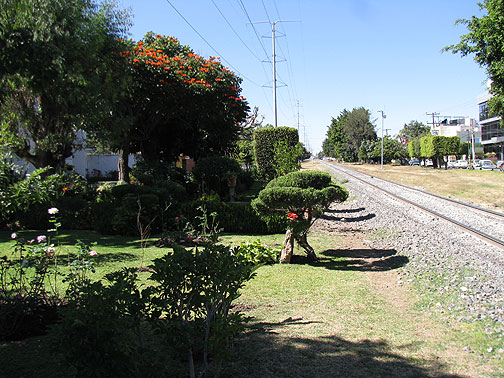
288 248
303 242
122 164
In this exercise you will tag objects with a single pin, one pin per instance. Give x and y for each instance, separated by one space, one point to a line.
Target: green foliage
304 180
212 173
392 150
464 149
348 131
452 146
484 41
336 137
286 158
414 149
194 291
264 148
302 197
67 84
103 330
235 217
256 253
413 130
116 327
366 150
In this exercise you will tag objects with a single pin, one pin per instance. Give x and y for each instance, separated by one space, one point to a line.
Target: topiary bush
301 198
264 148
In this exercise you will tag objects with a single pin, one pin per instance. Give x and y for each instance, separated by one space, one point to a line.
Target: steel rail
480 234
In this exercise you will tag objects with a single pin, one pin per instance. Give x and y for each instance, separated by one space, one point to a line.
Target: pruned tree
302 197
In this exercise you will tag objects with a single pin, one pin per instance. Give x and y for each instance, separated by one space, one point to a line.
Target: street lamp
383 116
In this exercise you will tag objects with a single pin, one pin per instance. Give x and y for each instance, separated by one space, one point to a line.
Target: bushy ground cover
335 317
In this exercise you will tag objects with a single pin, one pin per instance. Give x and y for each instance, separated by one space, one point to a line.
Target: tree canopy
55 72
175 102
485 41
302 197
347 132
413 130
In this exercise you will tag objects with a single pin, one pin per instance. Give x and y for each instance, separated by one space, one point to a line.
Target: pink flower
41 238
176 218
93 253
13 235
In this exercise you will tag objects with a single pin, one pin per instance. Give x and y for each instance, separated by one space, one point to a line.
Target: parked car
427 162
461 164
451 164
500 165
414 161
487 165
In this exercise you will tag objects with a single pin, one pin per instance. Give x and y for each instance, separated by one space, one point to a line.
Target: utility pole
298 116
273 37
433 114
383 116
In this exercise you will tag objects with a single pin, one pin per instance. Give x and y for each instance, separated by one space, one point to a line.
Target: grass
341 317
481 188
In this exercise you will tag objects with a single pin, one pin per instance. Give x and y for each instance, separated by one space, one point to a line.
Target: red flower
292 217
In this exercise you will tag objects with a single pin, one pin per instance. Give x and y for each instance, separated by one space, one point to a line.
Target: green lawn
329 318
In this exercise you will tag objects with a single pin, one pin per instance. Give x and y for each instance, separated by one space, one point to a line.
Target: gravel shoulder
457 279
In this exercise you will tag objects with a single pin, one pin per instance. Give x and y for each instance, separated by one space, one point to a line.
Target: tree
56 64
301 197
336 139
413 130
327 148
484 41
366 150
347 132
437 146
414 148
176 102
392 150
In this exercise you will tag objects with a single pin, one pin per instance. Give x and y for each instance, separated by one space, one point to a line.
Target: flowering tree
303 196
175 102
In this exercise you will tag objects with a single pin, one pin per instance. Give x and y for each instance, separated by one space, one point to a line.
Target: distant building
465 128
492 133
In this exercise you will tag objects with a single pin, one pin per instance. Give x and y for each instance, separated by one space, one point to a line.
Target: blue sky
342 54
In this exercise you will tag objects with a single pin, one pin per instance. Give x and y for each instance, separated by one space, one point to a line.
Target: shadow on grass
264 352
102 258
365 260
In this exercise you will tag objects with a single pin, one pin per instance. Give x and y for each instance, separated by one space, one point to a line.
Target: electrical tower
274 61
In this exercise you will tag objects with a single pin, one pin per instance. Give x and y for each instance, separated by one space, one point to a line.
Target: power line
234 31
253 27
208 43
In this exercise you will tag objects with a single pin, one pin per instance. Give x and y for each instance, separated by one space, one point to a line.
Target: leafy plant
257 253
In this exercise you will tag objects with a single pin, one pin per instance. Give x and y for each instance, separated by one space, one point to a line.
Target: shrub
264 147
212 173
301 197
113 328
236 217
256 253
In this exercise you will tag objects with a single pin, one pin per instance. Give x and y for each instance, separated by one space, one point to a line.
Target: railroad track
486 224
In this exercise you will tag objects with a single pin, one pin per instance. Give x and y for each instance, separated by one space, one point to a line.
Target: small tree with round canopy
303 197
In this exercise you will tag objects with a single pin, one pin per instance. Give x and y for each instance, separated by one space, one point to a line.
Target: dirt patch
400 298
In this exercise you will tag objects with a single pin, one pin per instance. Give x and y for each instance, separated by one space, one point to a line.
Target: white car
461 164
487 165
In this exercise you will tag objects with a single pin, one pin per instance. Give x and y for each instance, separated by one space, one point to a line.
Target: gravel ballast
463 275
